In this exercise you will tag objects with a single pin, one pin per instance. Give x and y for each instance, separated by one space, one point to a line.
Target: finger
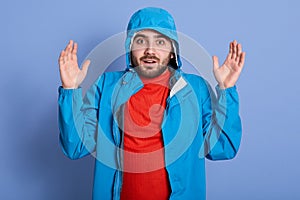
234 49
62 54
242 59
65 56
74 51
230 50
239 49
70 49
85 66
215 63
66 52
69 46
238 53
61 57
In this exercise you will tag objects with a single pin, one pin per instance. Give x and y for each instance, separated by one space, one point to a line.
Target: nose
150 50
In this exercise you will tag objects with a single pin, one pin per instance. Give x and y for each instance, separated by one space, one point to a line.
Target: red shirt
145 176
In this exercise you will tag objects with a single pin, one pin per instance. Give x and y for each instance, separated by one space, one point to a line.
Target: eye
140 41
160 42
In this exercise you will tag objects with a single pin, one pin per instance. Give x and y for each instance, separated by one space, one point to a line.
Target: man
151 126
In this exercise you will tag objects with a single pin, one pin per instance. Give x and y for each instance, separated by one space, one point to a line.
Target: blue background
33 32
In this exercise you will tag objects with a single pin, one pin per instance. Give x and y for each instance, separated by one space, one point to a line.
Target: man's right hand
71 75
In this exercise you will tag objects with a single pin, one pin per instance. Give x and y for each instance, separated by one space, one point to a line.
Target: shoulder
115 75
199 85
194 80
109 78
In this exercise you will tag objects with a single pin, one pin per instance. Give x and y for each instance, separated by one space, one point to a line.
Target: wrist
224 87
68 87
221 86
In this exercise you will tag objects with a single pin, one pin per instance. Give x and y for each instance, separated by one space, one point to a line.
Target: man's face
151 53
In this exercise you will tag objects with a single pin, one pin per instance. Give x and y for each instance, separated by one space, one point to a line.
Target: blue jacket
196 125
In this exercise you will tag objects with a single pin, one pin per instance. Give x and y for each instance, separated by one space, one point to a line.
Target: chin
144 71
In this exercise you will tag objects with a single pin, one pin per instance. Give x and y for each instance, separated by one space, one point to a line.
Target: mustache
149 57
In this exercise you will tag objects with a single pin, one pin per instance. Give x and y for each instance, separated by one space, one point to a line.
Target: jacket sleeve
77 118
221 124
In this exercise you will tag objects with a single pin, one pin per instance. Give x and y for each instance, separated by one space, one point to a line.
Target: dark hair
173 62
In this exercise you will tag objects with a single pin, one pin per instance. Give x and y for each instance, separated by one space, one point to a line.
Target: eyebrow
155 36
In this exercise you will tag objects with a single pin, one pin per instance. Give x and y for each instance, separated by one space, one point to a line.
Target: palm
71 75
229 72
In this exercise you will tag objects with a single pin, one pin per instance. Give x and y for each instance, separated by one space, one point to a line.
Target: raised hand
70 74
229 72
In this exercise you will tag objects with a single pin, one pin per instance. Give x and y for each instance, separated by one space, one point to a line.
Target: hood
156 19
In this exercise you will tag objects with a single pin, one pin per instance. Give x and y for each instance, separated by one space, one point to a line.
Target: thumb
215 62
85 66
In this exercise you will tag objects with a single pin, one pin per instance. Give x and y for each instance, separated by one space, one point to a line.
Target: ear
172 56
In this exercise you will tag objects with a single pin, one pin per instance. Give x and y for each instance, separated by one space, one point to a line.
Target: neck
162 79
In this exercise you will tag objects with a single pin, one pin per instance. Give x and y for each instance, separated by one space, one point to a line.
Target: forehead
149 33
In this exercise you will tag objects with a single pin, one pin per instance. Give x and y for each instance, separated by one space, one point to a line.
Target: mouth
149 61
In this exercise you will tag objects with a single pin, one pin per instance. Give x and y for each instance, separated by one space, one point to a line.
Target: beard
150 71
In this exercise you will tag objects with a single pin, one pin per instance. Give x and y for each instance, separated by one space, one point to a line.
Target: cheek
137 53
166 56
134 61
135 57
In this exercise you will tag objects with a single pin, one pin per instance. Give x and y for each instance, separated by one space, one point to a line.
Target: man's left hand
229 72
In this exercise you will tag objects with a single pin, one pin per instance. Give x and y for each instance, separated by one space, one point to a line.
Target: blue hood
156 19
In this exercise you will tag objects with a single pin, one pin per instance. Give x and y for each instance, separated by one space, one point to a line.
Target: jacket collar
130 83
127 85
